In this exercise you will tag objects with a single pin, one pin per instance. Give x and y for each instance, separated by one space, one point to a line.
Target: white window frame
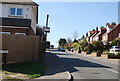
20 33
5 33
16 12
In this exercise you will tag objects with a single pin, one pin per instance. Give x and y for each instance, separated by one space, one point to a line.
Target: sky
67 17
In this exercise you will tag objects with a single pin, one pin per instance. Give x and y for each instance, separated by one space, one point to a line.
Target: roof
95 34
111 26
98 34
92 32
112 29
23 2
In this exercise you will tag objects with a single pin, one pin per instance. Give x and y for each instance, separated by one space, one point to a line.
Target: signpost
4 52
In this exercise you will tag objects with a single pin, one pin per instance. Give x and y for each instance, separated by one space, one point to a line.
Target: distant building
90 33
18 17
98 37
93 35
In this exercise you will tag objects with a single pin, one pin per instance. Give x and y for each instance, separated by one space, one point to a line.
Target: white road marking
113 71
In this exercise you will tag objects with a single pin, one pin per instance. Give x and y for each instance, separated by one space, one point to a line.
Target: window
4 32
20 33
16 11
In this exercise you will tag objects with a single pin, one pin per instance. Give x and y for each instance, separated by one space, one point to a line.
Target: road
88 68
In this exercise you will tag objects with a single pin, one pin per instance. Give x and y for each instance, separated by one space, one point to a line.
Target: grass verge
29 69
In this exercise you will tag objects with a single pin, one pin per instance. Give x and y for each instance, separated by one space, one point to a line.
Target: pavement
55 69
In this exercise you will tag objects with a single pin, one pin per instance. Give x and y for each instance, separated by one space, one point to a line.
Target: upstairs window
16 12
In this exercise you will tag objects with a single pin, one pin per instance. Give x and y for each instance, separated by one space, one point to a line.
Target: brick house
112 33
89 34
93 35
18 17
98 37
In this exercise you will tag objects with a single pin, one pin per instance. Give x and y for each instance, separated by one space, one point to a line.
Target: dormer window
16 12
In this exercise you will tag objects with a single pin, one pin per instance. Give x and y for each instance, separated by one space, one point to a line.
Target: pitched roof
95 34
92 32
24 2
98 34
112 29
111 26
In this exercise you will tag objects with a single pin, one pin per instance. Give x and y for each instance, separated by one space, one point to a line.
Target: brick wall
114 33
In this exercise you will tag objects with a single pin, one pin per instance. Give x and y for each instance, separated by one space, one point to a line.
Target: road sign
47 29
4 51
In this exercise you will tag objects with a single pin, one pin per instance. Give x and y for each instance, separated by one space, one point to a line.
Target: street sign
47 29
4 51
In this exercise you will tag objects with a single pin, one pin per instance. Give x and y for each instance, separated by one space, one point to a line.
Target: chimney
113 23
87 34
107 24
97 29
83 36
103 30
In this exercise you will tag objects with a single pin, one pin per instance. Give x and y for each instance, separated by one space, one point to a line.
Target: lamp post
46 30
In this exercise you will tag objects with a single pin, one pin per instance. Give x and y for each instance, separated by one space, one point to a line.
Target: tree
75 41
75 35
62 42
48 44
69 40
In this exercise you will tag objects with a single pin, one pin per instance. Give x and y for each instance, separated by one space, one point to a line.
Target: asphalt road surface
88 68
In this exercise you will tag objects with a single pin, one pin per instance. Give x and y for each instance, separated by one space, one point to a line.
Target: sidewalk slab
55 69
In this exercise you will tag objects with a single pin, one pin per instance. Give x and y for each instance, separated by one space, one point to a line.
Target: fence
22 47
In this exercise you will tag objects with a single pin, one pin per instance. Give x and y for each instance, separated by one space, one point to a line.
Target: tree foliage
75 45
83 44
62 42
69 40
98 46
48 44
89 48
114 43
75 41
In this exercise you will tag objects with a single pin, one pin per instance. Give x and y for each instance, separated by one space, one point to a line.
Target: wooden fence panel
22 47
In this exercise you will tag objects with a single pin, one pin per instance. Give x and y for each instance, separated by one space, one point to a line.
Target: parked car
115 49
62 49
58 49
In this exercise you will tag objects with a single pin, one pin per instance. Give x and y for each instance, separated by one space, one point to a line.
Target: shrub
75 45
114 43
109 53
83 44
89 48
98 46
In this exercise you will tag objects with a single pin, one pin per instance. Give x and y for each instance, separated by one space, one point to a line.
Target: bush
75 45
98 46
114 43
107 46
89 48
83 44
109 53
